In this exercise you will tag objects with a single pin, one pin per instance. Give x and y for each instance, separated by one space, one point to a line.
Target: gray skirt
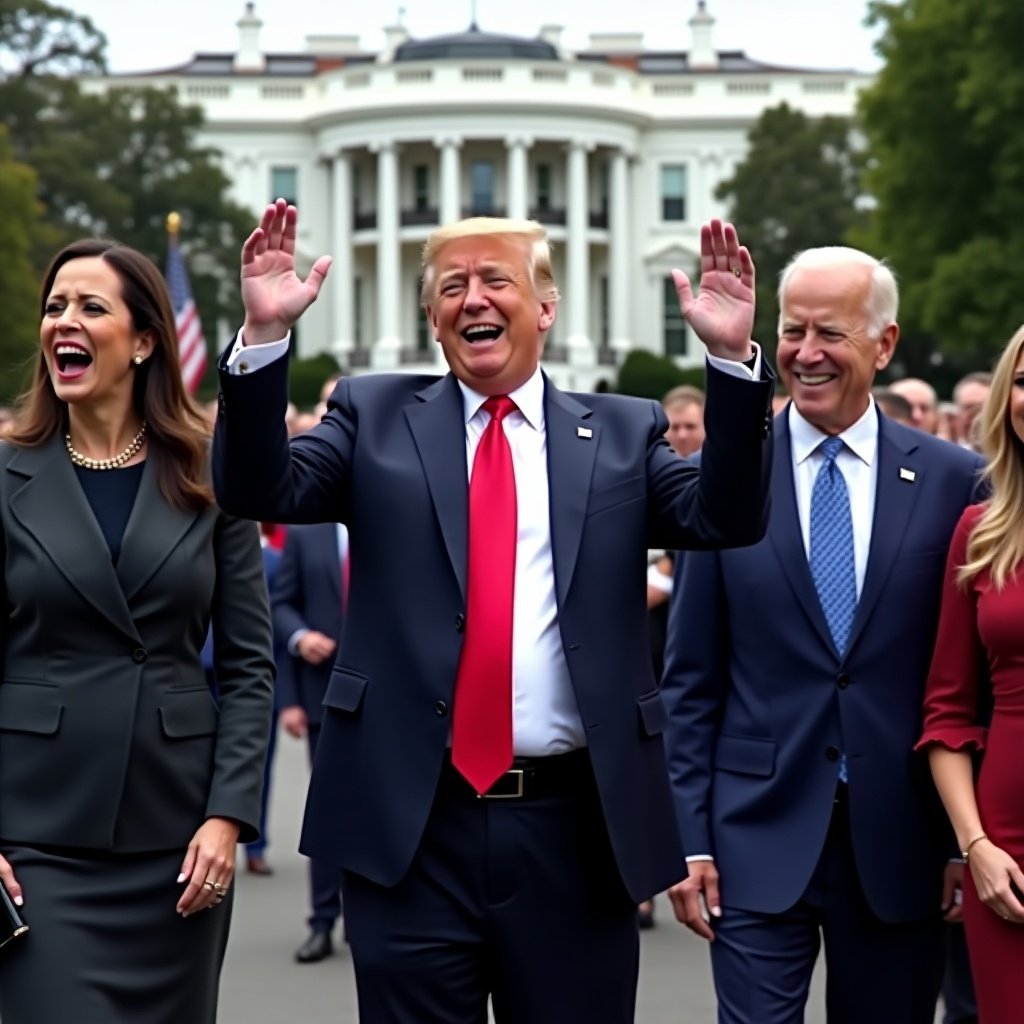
105 945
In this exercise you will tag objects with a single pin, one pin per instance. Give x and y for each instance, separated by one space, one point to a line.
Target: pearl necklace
116 462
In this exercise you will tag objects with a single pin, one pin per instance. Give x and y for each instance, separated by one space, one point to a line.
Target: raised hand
722 315
274 296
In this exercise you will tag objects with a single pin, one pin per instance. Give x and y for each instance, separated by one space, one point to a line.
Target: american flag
191 343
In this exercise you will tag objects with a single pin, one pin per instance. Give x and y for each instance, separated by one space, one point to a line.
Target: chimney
552 34
394 36
703 56
249 56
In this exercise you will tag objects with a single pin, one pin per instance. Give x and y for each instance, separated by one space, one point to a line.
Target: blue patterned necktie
832 566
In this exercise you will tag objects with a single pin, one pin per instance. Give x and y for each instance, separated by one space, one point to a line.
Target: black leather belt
530 777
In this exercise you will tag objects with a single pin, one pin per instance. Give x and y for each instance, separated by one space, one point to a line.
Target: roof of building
475 44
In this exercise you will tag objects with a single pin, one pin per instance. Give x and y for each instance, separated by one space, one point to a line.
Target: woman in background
124 785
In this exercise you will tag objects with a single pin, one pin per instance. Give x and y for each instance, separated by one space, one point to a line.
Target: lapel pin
584 432
907 474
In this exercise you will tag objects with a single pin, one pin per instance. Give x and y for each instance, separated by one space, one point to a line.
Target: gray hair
883 295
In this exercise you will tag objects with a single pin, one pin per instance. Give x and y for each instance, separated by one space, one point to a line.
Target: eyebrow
84 295
487 268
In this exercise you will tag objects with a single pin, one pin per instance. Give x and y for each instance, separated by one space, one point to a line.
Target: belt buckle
519 774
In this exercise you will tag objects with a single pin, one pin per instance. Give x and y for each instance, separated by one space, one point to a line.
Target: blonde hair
883 298
997 540
529 232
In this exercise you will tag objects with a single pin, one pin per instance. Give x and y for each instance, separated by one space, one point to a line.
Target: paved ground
263 985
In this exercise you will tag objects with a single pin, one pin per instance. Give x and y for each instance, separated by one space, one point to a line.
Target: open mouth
72 360
813 380
482 332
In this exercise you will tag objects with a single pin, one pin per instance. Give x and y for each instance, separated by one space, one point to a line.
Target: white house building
616 149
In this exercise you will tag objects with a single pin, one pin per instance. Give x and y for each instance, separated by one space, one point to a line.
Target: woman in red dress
981 639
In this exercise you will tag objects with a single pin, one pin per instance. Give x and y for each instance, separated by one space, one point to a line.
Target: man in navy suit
794 678
510 867
307 604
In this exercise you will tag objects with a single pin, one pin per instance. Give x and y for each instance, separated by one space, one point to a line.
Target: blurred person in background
924 402
894 406
969 396
684 407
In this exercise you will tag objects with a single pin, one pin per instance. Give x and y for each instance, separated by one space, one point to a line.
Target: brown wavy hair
177 432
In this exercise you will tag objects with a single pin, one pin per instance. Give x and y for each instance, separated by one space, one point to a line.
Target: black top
111 495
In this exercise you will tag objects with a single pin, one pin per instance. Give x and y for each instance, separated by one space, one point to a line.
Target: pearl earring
138 360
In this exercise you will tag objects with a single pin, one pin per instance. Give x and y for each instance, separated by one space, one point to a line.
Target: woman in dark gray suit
124 786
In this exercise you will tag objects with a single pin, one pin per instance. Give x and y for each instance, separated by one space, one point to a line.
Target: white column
576 253
451 206
389 269
517 188
618 253
343 270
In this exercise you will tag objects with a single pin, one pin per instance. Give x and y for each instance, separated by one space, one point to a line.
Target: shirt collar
861 437
529 399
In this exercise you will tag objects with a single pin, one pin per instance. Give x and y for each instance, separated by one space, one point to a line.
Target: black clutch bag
12 924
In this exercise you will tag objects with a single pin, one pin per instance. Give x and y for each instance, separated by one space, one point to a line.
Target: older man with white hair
794 676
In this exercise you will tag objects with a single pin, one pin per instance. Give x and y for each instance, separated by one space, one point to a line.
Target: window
421 187
604 328
284 184
674 332
357 313
673 192
604 184
357 187
481 183
423 334
544 186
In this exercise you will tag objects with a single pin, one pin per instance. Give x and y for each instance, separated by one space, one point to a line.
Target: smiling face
827 354
486 314
88 339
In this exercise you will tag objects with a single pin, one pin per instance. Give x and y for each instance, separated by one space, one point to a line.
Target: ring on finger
737 271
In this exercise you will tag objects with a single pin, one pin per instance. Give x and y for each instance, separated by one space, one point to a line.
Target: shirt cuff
738 369
699 856
658 580
256 356
293 642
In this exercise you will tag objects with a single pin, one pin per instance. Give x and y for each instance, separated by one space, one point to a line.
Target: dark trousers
877 973
518 899
324 877
957 985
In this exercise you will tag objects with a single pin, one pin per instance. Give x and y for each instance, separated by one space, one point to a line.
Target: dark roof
475 44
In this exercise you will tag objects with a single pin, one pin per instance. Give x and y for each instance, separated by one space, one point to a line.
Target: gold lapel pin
907 474
584 432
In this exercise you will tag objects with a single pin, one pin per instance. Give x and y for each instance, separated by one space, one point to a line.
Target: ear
547 315
144 344
432 317
887 346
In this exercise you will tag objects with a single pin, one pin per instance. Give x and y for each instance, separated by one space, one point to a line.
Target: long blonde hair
997 540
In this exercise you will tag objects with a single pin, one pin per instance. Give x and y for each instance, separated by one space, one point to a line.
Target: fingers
10 882
209 880
277 213
711 898
317 274
720 250
687 906
683 290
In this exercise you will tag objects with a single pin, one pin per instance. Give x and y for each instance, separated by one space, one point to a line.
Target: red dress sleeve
950 702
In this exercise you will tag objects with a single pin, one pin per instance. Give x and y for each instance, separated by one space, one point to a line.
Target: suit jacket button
832 753
139 655
460 622
842 680
440 708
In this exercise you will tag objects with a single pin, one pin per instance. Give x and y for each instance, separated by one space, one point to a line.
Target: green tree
19 227
945 125
645 374
796 188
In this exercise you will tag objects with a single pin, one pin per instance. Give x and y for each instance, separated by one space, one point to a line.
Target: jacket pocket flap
653 716
29 709
191 714
345 690
745 755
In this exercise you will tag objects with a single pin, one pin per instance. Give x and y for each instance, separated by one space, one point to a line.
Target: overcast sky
805 33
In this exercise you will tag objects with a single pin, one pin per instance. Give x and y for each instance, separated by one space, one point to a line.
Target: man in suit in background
490 773
794 678
307 603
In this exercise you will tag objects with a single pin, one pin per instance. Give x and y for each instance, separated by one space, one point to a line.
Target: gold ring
737 271
211 885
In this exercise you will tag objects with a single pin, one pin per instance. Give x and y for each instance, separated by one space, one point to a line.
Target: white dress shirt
545 716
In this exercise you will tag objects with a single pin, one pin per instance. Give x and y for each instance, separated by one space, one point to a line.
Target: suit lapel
786 536
438 426
570 467
154 530
51 506
895 497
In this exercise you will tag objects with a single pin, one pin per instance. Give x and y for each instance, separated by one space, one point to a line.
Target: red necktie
482 720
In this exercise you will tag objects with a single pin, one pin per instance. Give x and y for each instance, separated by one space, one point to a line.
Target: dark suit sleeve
244 666
726 503
257 473
693 689
286 609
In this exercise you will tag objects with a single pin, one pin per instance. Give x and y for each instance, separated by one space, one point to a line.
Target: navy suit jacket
306 594
760 702
389 460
